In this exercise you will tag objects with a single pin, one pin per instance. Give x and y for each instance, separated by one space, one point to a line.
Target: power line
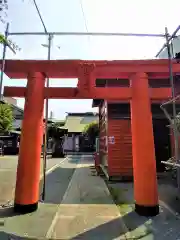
82 9
85 22
39 14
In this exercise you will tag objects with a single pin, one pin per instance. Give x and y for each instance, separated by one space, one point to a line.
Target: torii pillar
28 171
144 164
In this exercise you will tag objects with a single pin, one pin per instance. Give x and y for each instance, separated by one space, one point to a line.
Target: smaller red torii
138 94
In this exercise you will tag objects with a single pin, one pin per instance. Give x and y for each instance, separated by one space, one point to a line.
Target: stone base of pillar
23 209
147 211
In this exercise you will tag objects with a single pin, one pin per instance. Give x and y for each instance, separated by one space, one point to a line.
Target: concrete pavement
86 210
8 166
79 206
164 226
37 224
58 179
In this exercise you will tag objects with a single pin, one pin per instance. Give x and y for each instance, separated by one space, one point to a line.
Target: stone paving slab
87 210
31 225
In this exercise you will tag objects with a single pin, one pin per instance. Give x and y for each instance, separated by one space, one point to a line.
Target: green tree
3 10
6 118
91 130
3 39
3 15
56 133
54 130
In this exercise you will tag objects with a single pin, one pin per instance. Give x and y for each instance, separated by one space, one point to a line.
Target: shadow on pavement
56 184
7 236
108 231
7 212
115 229
133 220
101 232
137 227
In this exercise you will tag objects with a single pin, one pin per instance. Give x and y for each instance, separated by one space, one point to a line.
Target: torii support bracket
138 94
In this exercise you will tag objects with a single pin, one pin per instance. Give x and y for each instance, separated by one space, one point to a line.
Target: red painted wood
103 133
29 164
120 153
113 93
160 93
14 91
69 68
144 164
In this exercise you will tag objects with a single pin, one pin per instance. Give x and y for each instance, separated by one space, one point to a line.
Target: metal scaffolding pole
3 60
171 164
173 94
46 125
175 132
169 39
89 34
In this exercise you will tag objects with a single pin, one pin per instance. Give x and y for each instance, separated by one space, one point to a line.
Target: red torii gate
138 94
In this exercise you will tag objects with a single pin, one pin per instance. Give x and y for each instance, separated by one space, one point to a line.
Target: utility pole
46 111
46 123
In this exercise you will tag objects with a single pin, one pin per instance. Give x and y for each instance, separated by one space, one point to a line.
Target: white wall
17 123
76 140
68 143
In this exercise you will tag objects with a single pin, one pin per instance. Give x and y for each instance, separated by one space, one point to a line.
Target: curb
52 168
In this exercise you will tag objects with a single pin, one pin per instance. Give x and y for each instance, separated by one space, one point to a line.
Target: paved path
87 210
57 180
8 166
37 224
79 206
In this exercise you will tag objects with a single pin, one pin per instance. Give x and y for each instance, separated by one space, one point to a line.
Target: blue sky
102 16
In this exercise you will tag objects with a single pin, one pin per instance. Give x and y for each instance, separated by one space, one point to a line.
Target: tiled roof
77 123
